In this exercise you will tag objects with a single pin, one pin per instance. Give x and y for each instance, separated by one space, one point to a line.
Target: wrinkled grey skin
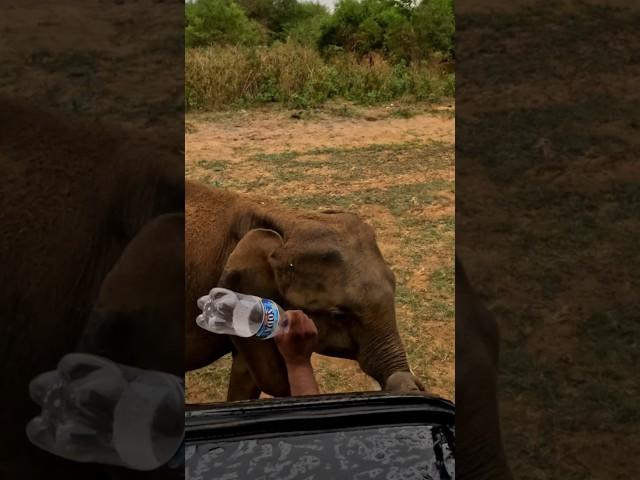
479 451
327 264
73 195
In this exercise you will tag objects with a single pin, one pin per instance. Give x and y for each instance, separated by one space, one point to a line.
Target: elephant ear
248 269
280 263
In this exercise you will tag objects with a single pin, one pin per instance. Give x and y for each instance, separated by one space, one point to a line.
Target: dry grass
217 77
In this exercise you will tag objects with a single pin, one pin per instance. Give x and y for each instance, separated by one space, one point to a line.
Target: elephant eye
340 312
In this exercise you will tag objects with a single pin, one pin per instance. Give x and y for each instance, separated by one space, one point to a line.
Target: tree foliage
396 28
219 22
399 29
434 24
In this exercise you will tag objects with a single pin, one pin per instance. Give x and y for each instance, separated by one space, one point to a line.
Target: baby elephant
324 263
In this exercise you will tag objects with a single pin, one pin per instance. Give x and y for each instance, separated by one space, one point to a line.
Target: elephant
325 263
74 195
480 453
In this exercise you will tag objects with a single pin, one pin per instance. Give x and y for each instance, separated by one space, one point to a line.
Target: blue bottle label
270 319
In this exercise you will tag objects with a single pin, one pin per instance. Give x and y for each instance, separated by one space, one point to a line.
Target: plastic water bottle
94 410
231 313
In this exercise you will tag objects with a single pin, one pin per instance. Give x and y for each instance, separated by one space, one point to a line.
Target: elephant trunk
383 357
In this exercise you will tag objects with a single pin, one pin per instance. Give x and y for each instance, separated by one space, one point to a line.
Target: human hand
297 341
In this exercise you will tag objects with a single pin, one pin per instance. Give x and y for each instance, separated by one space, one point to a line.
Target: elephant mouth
337 313
335 330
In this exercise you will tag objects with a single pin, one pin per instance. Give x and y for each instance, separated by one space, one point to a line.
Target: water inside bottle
226 312
247 317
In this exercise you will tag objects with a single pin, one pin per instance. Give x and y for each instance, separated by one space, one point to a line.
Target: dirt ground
245 133
118 60
546 220
394 166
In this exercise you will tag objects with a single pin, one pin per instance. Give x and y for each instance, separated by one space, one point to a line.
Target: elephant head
329 265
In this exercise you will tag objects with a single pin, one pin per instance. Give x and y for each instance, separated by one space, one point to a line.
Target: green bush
395 28
280 17
307 28
398 29
434 24
358 25
219 22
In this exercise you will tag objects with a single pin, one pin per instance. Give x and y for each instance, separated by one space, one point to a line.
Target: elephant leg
203 348
265 364
241 383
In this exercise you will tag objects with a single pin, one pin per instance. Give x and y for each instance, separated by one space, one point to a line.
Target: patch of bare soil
302 187
264 131
387 228
120 61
